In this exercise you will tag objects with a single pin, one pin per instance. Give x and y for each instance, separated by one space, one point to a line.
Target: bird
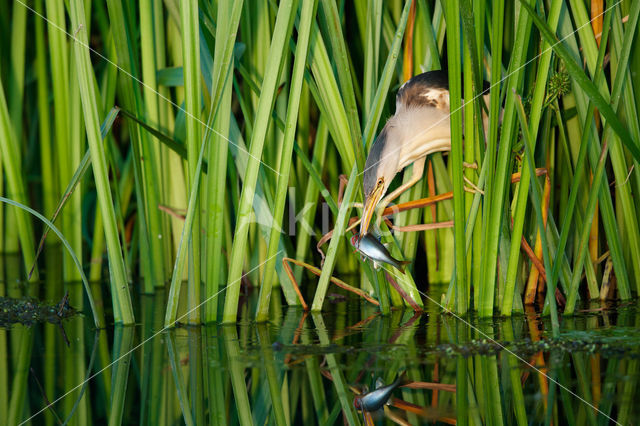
419 127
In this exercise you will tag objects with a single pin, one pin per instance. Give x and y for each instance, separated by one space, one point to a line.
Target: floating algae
526 347
28 311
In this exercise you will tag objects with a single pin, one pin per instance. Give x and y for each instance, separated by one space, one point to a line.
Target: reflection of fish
376 399
370 247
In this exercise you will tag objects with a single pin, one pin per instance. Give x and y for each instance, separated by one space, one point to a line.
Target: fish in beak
370 204
370 248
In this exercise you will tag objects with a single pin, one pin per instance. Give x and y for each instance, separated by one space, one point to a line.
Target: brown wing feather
428 89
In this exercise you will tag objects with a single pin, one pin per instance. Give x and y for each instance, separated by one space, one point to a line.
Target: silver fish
371 248
376 399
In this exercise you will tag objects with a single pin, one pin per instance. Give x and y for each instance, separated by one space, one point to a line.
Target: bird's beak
369 207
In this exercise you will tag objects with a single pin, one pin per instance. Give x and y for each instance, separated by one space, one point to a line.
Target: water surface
307 368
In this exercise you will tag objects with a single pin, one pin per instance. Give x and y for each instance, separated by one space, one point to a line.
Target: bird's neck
421 133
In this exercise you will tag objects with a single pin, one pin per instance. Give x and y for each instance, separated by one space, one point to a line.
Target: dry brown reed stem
597 17
532 282
287 268
407 59
534 259
343 183
445 387
171 211
424 412
420 227
403 293
317 272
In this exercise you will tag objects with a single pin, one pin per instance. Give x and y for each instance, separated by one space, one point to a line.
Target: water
307 368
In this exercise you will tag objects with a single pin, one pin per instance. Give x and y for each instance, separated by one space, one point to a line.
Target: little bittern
419 127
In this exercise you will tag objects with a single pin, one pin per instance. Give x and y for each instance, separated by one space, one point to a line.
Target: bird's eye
380 181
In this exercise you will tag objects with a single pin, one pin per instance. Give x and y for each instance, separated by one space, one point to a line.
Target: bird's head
379 171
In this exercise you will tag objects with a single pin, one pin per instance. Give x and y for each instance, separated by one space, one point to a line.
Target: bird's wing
425 90
437 97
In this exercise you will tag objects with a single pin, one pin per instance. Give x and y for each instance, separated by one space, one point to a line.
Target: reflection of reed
310 367
177 362
236 373
537 359
122 345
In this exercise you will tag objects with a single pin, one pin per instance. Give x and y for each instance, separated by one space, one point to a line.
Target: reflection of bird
419 127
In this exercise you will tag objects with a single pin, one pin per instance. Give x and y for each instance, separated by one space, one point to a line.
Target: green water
306 368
